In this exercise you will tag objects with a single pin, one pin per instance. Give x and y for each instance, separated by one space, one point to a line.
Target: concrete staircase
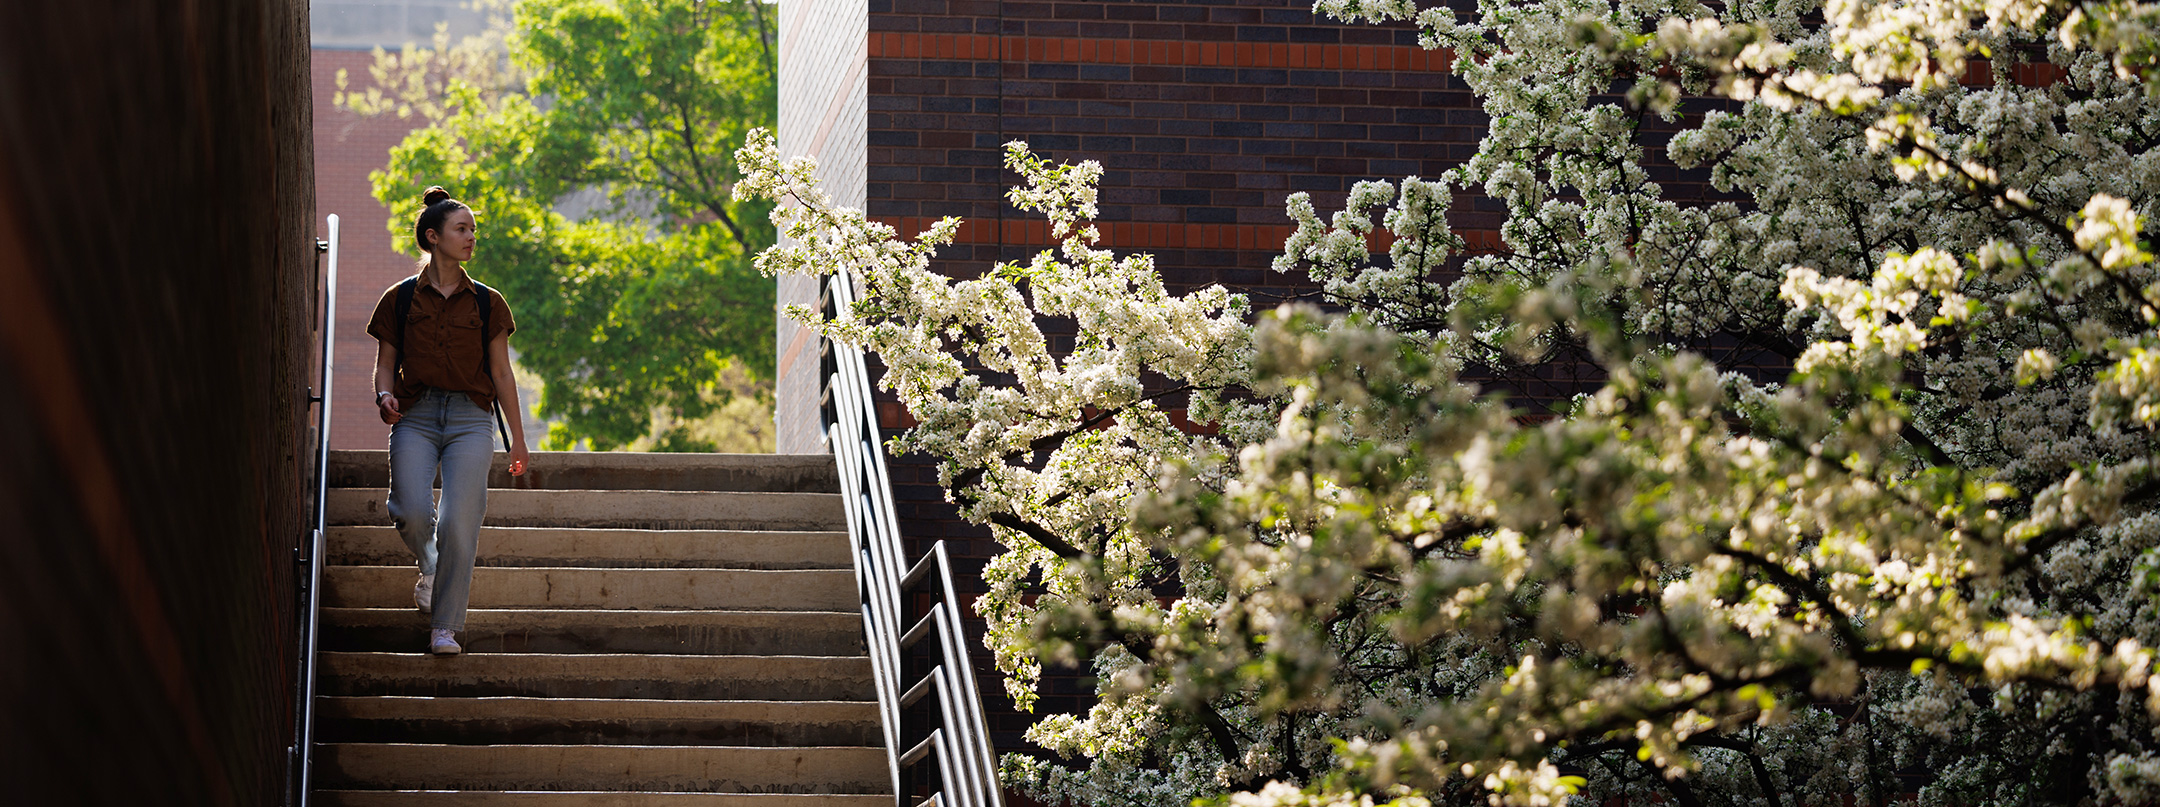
646 630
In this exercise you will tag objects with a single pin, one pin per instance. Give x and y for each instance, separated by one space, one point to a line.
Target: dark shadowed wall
156 273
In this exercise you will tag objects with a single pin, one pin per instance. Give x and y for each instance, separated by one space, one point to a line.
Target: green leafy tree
593 138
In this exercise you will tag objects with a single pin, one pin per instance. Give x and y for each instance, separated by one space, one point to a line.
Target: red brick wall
347 147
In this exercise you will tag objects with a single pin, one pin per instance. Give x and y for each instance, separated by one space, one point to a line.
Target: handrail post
310 587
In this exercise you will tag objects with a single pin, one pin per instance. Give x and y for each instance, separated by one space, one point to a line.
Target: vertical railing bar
316 537
953 641
978 723
881 665
947 771
949 700
857 387
850 400
966 700
888 619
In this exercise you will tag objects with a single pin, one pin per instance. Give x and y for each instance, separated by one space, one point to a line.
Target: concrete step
601 548
647 589
603 470
649 630
744 633
623 509
498 798
602 767
542 675
567 721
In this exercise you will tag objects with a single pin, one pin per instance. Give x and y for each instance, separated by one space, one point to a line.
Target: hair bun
433 195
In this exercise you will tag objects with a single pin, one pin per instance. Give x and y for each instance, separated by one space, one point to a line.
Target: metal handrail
903 604
312 556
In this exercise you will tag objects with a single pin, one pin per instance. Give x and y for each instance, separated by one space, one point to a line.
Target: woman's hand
506 394
386 405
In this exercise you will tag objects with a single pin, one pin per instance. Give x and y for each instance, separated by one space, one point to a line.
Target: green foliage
631 313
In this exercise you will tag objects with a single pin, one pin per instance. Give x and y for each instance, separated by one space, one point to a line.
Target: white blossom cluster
1860 480
1048 449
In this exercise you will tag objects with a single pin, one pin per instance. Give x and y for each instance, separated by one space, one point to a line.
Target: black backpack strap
402 309
486 301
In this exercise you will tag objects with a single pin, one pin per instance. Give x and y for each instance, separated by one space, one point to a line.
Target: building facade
347 147
1206 117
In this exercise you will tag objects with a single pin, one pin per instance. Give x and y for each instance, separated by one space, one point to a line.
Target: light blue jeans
443 430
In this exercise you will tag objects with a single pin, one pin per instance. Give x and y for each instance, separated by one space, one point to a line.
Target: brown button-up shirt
444 345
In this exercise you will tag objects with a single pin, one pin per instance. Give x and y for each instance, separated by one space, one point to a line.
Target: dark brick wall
1205 117
156 270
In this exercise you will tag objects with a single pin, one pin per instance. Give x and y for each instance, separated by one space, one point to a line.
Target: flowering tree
1931 548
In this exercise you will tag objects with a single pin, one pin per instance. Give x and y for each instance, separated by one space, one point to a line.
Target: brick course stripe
901 45
1126 235
981 47
1155 235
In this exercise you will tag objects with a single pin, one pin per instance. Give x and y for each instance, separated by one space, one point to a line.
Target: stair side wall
157 273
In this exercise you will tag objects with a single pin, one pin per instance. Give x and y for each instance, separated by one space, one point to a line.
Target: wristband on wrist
379 396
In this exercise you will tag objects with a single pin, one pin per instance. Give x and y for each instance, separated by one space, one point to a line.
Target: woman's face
455 239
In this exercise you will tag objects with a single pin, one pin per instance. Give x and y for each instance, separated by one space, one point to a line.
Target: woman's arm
506 393
386 406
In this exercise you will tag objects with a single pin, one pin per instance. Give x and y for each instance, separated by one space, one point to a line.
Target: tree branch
1677 786
1218 731
1042 535
1753 756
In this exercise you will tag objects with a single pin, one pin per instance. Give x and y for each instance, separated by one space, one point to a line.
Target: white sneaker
443 642
423 593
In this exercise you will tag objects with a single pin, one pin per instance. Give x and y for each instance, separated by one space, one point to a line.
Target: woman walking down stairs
646 630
